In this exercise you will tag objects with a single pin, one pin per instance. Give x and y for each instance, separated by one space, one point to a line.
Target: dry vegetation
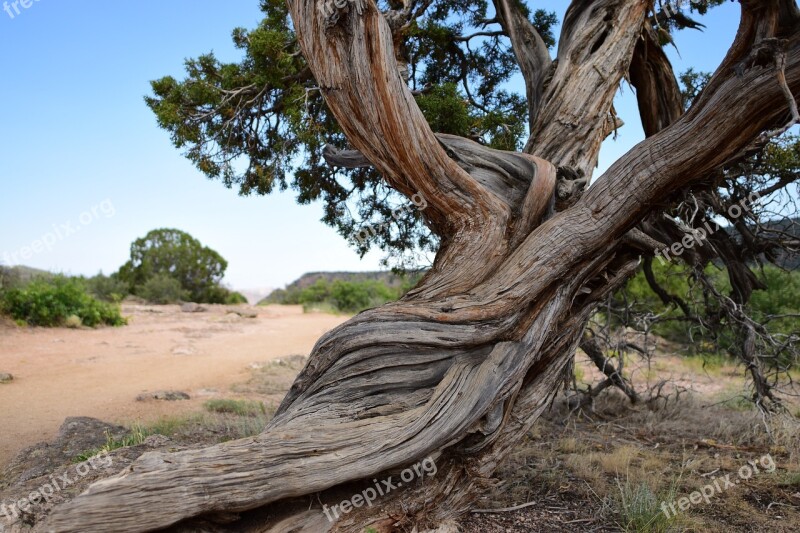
611 471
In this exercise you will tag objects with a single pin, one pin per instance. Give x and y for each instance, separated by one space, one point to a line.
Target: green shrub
353 297
107 288
235 298
288 296
339 296
781 298
73 322
176 254
52 302
776 306
319 292
162 289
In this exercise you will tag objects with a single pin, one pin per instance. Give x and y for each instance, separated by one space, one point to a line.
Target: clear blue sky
79 150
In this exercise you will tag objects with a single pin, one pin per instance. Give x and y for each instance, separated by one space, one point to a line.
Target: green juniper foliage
261 123
168 265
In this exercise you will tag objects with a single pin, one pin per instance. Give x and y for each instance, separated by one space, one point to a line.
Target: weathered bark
657 90
595 48
462 366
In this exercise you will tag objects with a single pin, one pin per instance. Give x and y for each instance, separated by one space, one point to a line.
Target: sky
85 170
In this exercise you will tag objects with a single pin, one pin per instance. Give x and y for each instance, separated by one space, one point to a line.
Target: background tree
171 253
461 367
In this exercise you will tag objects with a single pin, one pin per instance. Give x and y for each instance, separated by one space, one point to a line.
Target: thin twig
506 509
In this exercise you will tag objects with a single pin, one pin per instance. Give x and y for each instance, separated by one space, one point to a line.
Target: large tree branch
657 90
351 52
530 50
595 50
524 182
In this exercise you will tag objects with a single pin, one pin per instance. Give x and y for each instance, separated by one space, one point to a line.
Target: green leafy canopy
174 265
262 123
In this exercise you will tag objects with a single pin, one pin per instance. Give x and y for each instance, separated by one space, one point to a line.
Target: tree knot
769 52
334 10
569 187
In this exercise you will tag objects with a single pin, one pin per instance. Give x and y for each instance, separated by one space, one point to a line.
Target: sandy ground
99 373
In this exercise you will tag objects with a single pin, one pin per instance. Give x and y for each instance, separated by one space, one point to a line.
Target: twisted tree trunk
460 368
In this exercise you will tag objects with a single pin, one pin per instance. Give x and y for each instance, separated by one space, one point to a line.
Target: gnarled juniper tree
361 104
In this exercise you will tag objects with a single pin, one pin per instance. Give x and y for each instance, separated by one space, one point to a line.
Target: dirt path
98 373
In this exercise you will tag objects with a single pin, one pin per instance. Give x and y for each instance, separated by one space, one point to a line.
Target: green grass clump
707 362
51 303
791 480
640 508
218 426
138 433
236 407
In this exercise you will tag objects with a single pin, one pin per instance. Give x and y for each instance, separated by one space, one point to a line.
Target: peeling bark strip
461 367
657 90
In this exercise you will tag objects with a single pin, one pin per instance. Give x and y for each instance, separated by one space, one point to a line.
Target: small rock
76 436
290 361
191 307
6 378
156 441
243 312
166 396
183 350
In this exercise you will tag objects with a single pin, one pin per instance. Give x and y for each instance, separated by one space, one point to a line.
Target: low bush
107 288
162 289
339 296
55 301
235 298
